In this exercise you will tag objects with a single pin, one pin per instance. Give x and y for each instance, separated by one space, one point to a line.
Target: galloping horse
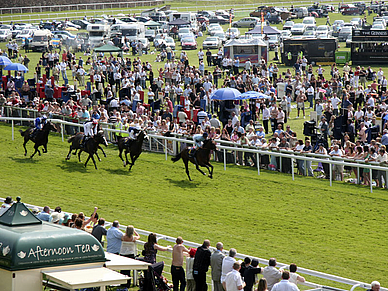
75 141
134 148
91 146
202 158
40 139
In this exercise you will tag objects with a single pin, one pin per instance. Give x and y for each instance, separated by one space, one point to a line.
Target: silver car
246 22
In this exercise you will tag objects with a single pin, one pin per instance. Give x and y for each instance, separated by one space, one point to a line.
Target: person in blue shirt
45 214
113 238
39 123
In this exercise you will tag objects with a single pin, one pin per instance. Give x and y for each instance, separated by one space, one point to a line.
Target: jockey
198 139
133 131
39 123
90 130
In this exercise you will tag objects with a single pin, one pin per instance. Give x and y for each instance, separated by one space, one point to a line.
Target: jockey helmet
205 135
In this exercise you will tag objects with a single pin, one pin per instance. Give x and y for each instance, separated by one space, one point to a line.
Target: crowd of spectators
128 92
227 273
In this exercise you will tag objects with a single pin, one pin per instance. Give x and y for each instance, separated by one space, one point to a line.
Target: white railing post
331 174
370 181
165 147
13 129
292 169
258 163
224 159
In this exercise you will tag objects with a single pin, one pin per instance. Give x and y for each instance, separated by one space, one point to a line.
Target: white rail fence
231 147
315 274
29 14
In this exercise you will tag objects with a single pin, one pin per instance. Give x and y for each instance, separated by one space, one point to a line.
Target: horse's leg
94 161
36 151
186 162
79 155
210 170
45 148
76 150
133 159
98 157
126 156
102 151
121 156
24 145
69 154
87 160
199 169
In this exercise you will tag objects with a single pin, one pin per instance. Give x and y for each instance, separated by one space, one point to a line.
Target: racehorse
75 141
40 139
202 158
91 146
134 148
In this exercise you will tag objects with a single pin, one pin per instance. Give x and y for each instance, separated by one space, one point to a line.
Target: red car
202 19
189 43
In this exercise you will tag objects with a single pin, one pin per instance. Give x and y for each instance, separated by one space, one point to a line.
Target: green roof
26 243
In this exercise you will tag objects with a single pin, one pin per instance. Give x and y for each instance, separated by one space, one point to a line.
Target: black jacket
202 259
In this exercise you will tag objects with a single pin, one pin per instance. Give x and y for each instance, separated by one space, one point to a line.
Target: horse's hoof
99 160
211 177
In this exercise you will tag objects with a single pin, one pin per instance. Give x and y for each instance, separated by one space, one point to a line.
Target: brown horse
40 139
134 148
76 140
202 158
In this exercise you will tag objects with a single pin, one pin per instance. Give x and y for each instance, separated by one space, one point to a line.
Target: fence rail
316 274
61 12
170 145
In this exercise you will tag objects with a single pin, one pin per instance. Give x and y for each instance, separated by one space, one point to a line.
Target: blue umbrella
16 67
226 94
253 95
4 61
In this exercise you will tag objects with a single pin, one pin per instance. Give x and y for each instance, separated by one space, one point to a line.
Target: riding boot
195 160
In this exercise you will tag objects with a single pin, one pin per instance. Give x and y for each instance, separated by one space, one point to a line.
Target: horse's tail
176 157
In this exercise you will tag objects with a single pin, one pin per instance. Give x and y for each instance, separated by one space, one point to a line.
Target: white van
130 31
98 32
40 40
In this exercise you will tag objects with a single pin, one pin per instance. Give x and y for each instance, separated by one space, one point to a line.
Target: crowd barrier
172 144
305 271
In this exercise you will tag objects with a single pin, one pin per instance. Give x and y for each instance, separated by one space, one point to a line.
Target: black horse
91 147
202 158
40 138
76 141
134 148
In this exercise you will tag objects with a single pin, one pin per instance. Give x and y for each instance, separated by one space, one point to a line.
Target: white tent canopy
245 42
86 278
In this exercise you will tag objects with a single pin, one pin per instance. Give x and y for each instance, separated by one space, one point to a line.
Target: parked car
221 36
285 33
355 21
128 19
25 33
206 13
216 29
310 33
273 41
274 18
246 22
142 18
344 33
233 31
352 10
80 22
298 29
183 30
218 19
336 27
189 43
63 35
323 30
5 35
212 42
309 21
202 19
377 26
288 25
146 43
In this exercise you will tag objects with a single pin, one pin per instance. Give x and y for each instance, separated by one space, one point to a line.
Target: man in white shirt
201 54
284 284
266 115
227 264
233 281
334 102
234 119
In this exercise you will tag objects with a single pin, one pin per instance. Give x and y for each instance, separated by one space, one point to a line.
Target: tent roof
245 42
266 30
152 23
178 21
18 215
108 48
